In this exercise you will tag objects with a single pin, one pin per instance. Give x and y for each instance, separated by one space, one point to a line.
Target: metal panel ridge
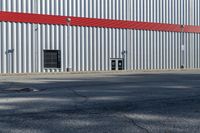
93 22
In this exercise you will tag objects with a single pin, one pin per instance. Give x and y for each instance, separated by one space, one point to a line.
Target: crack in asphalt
77 93
155 100
158 100
136 124
86 98
139 126
79 103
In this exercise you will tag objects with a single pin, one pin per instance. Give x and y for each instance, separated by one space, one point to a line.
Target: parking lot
127 102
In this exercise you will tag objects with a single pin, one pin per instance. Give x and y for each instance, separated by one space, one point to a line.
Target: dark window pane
52 59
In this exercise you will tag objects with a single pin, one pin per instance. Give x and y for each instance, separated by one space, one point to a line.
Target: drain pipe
182 47
124 59
69 69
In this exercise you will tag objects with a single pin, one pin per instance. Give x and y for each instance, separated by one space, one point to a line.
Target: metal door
113 65
120 65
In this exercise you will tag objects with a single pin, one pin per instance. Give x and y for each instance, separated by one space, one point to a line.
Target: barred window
52 59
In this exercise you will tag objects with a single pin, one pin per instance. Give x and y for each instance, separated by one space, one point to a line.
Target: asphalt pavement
127 102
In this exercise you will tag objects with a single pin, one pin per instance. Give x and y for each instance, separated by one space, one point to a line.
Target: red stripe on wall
92 22
32 18
191 29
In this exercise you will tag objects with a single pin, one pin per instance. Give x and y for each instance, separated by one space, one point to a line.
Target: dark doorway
113 63
117 64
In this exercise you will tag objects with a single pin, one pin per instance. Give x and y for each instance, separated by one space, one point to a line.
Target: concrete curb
101 72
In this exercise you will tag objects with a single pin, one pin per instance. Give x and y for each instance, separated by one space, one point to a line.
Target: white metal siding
90 48
163 11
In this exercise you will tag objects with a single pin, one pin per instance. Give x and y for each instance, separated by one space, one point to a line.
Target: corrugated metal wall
89 48
82 49
154 50
163 11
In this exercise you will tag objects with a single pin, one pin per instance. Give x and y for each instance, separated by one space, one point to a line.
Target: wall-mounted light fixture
182 28
68 20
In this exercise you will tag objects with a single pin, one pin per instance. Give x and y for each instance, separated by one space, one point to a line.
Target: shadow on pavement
105 104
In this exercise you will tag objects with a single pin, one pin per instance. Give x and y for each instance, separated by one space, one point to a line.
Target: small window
52 59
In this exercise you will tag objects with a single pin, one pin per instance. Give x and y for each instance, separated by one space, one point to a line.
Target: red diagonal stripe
92 22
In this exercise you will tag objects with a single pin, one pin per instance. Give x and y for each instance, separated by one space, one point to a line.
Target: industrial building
98 35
